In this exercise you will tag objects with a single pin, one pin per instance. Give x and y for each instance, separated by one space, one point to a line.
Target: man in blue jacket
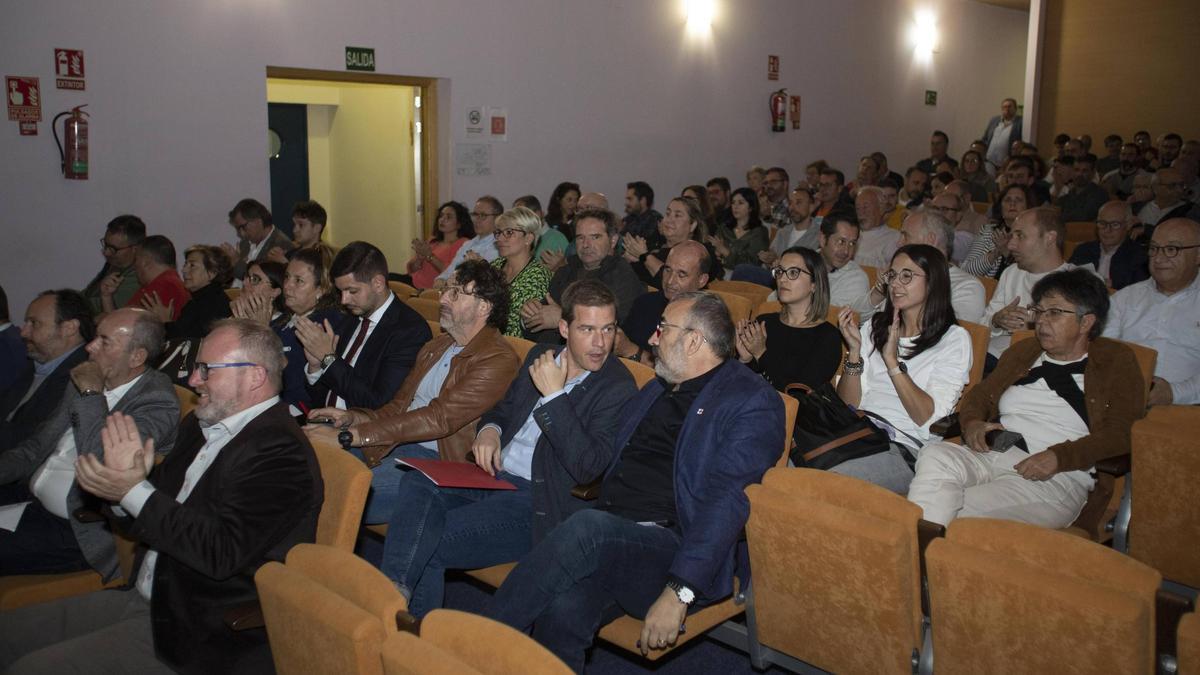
664 536
553 430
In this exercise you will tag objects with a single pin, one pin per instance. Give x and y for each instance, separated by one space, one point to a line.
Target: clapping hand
635 247
317 340
848 325
891 348
153 304
257 308
537 316
127 460
751 340
552 260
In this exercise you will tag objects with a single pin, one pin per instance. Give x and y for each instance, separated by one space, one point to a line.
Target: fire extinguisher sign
68 69
24 98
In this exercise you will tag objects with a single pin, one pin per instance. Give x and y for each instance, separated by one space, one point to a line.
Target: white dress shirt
485 246
374 318
849 287
967 295
1014 282
1169 324
216 437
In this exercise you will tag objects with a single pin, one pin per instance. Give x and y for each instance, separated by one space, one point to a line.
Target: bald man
1117 259
686 270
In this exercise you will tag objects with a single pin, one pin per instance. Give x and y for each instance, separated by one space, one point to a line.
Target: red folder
456 474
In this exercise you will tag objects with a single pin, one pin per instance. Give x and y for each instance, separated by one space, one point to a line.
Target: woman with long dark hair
560 212
454 228
989 254
907 367
741 241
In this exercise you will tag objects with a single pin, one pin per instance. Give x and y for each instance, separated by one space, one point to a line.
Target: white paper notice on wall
498 121
475 119
472 159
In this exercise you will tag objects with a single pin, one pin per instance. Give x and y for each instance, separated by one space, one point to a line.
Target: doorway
370 145
287 147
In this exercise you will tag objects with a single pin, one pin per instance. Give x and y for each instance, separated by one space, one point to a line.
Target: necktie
349 358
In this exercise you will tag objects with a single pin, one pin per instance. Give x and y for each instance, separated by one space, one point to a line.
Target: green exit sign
360 58
930 96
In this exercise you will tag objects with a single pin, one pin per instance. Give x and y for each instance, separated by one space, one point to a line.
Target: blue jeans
433 529
385 479
756 274
570 581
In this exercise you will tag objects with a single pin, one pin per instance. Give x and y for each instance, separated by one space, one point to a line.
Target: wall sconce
924 34
700 15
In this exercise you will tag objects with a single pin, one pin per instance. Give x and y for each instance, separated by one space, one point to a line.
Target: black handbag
828 431
179 359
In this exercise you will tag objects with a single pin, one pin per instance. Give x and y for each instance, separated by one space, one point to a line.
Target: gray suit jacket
152 404
276 238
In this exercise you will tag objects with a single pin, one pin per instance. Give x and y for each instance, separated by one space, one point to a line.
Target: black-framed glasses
1110 224
1169 250
109 249
658 330
905 276
203 368
792 273
509 232
480 216
1050 312
452 292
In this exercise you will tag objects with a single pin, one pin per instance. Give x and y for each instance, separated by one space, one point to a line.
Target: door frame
428 116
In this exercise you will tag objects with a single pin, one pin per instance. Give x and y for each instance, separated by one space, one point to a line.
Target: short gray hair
148 333
709 315
259 344
941 229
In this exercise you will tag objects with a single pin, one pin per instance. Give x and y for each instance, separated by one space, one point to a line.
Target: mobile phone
1000 440
321 420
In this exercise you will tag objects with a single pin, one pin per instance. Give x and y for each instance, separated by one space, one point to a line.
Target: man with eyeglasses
830 194
1036 247
663 537
928 226
256 234
951 206
777 186
848 282
119 245
1116 258
458 376
480 247
1163 312
553 430
1083 201
1168 201
40 471
685 271
241 488
1034 429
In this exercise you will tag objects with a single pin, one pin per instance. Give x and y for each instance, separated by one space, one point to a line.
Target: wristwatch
89 392
902 368
345 439
685 595
328 360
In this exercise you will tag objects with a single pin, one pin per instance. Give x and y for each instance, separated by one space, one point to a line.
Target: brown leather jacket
1112 386
479 376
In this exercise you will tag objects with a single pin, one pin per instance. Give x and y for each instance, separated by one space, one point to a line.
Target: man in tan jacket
458 376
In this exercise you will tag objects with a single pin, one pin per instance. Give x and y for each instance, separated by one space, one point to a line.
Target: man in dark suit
665 533
553 430
40 472
364 365
1118 260
256 236
241 487
57 325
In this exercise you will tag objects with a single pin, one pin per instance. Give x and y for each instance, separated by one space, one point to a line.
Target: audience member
458 376
1001 131
868 174
1168 201
641 220
885 172
683 222
939 143
480 247
893 212
989 254
967 295
801 232
560 210
431 257
161 286
527 278
1083 201
234 494
1062 177
950 206
969 220
830 193
740 242
698 193
1024 171
595 239
547 436
1034 429
206 273
40 471
122 237
1117 259
1036 246
14 361
916 186
876 243
664 534
308 224
1161 312
686 270
256 236
848 282
718 190
552 245
261 297
363 364
776 187
1119 181
308 295
979 182
57 324
918 363
1112 157
770 344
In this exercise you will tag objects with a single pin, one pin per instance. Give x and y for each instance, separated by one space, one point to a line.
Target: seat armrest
1169 609
1115 466
927 531
587 491
947 427
245 617
407 623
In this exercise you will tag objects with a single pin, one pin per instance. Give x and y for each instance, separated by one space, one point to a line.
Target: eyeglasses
480 216
203 368
452 292
509 232
943 209
1050 312
905 276
792 273
1169 250
658 330
109 249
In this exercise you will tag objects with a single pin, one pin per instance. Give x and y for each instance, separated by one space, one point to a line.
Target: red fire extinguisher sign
24 98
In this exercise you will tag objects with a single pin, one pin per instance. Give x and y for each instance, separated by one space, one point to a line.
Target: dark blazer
295 381
383 361
731 436
207 305
260 497
152 404
576 444
1128 265
40 406
276 238
13 359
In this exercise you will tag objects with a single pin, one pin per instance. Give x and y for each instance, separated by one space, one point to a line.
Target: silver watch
328 360
685 595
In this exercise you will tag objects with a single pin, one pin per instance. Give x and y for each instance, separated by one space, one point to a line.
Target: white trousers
952 481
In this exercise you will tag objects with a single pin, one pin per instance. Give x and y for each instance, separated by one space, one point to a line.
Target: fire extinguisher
779 102
75 134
